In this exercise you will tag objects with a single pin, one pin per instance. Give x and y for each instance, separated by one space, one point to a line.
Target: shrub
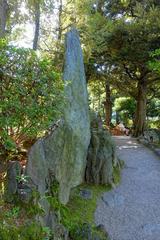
30 231
31 94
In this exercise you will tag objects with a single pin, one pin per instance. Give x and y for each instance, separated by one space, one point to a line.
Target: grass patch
83 209
77 216
117 175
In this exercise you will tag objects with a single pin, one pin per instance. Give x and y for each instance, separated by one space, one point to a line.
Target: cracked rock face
13 171
61 156
102 156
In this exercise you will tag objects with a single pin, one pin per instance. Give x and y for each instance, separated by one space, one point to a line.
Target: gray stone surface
13 172
157 150
151 136
101 154
61 156
154 145
87 232
24 193
113 200
60 233
132 211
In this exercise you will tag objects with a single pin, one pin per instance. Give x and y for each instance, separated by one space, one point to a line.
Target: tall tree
37 23
108 104
60 11
124 43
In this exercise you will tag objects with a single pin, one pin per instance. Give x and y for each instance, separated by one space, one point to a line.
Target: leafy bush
30 231
154 64
125 106
31 94
153 124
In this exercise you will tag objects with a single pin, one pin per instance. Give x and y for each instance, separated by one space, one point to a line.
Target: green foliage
123 34
34 231
97 95
8 232
62 212
153 108
81 211
129 8
125 106
154 63
78 211
30 96
33 207
13 213
16 225
117 174
22 178
153 124
86 231
29 231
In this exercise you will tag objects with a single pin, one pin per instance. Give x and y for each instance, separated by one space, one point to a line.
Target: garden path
131 211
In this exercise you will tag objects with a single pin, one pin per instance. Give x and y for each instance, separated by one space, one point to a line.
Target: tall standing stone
76 116
61 156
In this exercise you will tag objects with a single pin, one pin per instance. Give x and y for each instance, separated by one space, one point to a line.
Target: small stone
150 229
25 193
152 135
113 200
86 193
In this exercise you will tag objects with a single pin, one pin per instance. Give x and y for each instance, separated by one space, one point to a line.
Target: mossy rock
28 231
87 232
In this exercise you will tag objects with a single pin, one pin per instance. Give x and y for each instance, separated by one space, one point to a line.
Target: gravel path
132 210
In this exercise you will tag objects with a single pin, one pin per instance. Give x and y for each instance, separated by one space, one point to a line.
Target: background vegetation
121 46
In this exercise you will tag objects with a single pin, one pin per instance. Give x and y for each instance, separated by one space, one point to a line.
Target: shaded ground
132 210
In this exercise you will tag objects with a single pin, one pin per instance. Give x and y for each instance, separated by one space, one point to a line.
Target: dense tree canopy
123 40
120 40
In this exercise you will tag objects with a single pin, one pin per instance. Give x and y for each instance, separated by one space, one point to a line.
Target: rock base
101 155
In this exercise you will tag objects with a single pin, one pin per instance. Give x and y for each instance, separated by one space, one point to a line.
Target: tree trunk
37 25
58 52
3 17
108 105
140 114
60 21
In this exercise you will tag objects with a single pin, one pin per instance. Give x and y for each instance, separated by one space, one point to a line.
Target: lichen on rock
101 157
